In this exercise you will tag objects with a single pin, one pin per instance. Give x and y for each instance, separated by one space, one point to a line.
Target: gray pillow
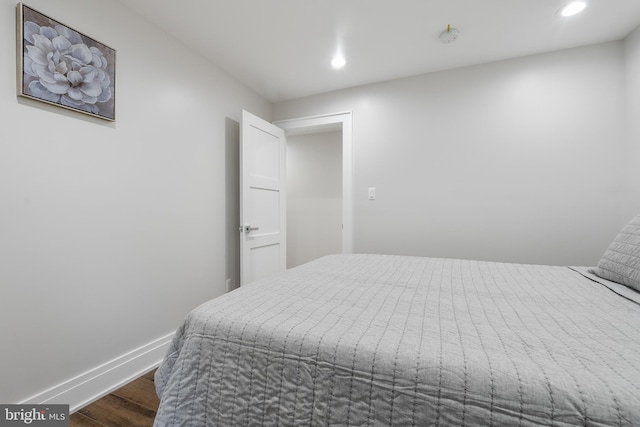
621 261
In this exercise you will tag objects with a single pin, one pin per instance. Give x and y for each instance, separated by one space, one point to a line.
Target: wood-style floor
133 405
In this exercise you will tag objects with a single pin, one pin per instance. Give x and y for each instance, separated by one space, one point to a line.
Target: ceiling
282 48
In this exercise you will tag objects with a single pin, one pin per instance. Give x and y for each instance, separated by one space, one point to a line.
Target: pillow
621 261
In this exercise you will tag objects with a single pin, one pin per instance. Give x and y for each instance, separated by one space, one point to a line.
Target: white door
263 238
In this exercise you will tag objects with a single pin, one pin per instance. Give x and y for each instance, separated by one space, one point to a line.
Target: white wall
232 202
314 196
632 68
515 161
109 232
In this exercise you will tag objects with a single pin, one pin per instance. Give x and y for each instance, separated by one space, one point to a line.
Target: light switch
372 193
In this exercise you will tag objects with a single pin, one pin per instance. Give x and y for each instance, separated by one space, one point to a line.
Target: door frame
342 120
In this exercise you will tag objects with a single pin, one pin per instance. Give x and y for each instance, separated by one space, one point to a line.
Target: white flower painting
64 67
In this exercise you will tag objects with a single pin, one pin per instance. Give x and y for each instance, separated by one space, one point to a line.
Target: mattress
406 341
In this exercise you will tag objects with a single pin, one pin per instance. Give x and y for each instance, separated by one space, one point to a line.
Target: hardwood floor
133 405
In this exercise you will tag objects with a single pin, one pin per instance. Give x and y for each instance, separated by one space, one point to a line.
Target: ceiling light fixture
572 8
450 35
338 62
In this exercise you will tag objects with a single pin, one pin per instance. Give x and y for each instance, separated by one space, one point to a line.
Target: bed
408 341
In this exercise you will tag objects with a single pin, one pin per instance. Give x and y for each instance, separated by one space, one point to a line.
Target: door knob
249 229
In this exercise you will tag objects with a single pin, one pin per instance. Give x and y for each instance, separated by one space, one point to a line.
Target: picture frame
61 66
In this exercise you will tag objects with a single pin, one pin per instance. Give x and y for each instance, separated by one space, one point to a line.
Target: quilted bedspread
382 340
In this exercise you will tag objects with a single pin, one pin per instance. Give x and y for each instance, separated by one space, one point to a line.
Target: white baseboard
102 380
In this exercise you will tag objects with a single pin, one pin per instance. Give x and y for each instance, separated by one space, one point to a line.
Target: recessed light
572 8
338 62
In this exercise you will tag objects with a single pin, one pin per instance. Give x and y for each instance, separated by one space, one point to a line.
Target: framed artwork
61 66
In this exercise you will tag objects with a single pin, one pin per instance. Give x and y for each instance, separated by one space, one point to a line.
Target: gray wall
632 67
314 196
516 160
109 232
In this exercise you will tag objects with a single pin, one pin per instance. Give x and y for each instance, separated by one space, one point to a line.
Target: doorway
314 195
337 123
330 122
